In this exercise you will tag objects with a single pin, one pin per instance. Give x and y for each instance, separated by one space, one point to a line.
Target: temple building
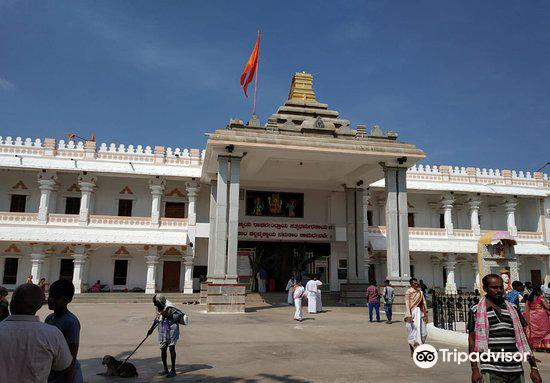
304 191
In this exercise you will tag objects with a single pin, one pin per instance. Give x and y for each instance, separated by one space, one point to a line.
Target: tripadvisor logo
425 356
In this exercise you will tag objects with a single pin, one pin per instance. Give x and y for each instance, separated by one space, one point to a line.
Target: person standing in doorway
387 293
373 300
4 305
42 284
416 315
167 320
298 294
262 276
495 325
29 279
290 284
61 294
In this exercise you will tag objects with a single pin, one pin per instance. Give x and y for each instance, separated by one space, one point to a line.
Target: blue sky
467 81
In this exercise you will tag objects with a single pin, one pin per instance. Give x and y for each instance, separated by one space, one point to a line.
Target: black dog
118 368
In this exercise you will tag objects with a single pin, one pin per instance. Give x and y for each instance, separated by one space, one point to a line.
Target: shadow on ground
149 368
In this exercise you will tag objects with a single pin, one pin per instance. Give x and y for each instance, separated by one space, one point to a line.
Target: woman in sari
536 313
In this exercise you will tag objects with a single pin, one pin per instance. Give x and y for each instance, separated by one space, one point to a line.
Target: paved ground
263 345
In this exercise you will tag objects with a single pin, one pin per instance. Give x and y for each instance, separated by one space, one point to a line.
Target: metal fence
450 311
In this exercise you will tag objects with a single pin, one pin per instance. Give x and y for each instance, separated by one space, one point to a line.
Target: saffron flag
250 69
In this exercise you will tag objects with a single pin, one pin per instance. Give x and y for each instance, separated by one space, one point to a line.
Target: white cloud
5 84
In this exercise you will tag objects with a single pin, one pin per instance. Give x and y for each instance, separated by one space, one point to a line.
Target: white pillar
233 220
447 202
212 231
37 259
366 256
434 216
151 259
156 185
87 184
46 183
510 206
188 275
397 231
220 246
381 211
477 280
474 203
192 192
450 264
351 212
79 260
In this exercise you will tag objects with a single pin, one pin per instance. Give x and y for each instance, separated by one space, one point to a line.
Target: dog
118 368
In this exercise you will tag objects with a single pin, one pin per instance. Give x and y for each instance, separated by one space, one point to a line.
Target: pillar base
203 293
353 294
225 298
150 290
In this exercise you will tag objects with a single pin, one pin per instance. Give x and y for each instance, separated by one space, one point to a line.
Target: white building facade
304 185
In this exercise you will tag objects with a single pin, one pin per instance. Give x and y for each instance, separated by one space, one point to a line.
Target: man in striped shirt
505 332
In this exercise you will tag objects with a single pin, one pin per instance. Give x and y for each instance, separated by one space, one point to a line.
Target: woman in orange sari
536 313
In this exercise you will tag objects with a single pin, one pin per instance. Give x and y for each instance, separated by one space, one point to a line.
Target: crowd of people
302 287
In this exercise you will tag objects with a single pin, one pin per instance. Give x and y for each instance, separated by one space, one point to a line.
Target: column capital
434 205
47 180
192 187
447 200
157 185
510 204
87 182
152 251
366 195
188 260
474 202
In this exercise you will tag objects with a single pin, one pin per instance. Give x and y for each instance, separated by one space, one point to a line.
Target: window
442 221
174 210
125 207
10 271
18 203
410 219
372 273
121 272
72 205
66 269
369 217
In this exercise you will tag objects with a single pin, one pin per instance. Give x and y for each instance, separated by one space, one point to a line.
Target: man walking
373 299
496 325
312 287
416 315
516 294
388 300
30 348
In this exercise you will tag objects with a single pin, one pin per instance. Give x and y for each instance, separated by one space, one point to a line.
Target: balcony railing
6 217
94 221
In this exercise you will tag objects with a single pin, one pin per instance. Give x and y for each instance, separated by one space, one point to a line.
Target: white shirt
30 349
312 286
298 292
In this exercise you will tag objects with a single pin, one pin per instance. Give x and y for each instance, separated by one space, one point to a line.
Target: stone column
87 184
447 202
450 264
47 182
37 259
510 206
151 259
474 203
79 260
192 192
188 275
220 247
353 247
434 216
381 211
212 231
156 185
397 231
475 269
233 221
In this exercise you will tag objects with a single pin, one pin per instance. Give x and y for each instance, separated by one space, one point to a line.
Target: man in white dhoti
291 282
319 300
297 294
311 291
416 315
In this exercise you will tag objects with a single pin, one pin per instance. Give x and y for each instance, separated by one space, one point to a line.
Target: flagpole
256 77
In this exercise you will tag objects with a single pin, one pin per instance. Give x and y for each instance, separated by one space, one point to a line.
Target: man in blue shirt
61 294
514 296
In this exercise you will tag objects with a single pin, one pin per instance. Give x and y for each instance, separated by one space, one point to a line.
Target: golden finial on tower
301 87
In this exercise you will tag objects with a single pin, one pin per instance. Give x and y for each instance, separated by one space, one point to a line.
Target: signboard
285 232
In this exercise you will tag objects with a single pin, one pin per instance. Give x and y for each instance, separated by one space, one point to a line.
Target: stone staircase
121 297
